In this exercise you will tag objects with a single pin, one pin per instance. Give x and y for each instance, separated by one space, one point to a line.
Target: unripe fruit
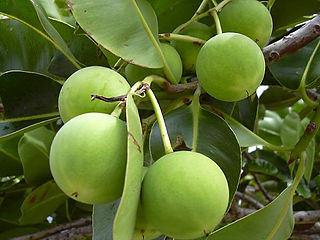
184 195
136 73
88 158
230 67
75 95
188 51
248 17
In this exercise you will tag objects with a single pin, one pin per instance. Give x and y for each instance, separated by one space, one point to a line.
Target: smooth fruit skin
184 195
230 67
88 158
75 95
248 17
188 51
136 73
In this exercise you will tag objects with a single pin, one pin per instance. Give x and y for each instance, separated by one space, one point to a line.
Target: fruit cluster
184 194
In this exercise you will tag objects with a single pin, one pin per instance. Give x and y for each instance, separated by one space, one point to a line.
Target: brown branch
293 42
305 217
262 189
83 224
256 204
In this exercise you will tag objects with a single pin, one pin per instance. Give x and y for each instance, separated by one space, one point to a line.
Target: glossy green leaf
33 148
269 127
272 222
103 20
124 222
32 15
276 97
103 217
172 13
14 127
10 209
41 202
291 129
10 164
212 134
295 12
22 48
27 94
289 70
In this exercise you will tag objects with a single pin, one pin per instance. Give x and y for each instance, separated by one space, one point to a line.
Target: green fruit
75 95
248 17
230 67
188 51
136 73
88 158
184 195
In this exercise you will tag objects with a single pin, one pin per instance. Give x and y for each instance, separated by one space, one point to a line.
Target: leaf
103 20
10 164
212 134
11 128
270 164
22 48
295 12
26 93
276 97
272 222
103 217
32 15
41 202
269 127
124 222
289 70
33 150
172 13
291 129
245 137
82 47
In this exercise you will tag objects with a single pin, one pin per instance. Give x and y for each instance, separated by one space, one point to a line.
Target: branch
293 42
249 200
77 228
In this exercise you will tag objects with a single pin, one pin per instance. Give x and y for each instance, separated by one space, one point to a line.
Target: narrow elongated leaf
124 222
103 217
211 133
310 151
34 149
116 25
273 222
291 129
41 202
289 70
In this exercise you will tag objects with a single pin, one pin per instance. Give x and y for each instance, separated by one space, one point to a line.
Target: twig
256 204
76 228
112 99
292 42
305 217
262 189
180 87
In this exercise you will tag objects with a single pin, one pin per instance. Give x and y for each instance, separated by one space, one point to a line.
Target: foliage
267 145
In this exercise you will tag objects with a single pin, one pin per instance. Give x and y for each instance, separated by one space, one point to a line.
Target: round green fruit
136 73
230 67
75 95
248 17
184 195
88 158
188 51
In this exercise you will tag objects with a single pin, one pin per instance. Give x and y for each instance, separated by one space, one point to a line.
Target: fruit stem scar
135 142
75 194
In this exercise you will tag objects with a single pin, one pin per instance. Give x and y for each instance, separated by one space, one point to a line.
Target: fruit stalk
162 125
180 37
